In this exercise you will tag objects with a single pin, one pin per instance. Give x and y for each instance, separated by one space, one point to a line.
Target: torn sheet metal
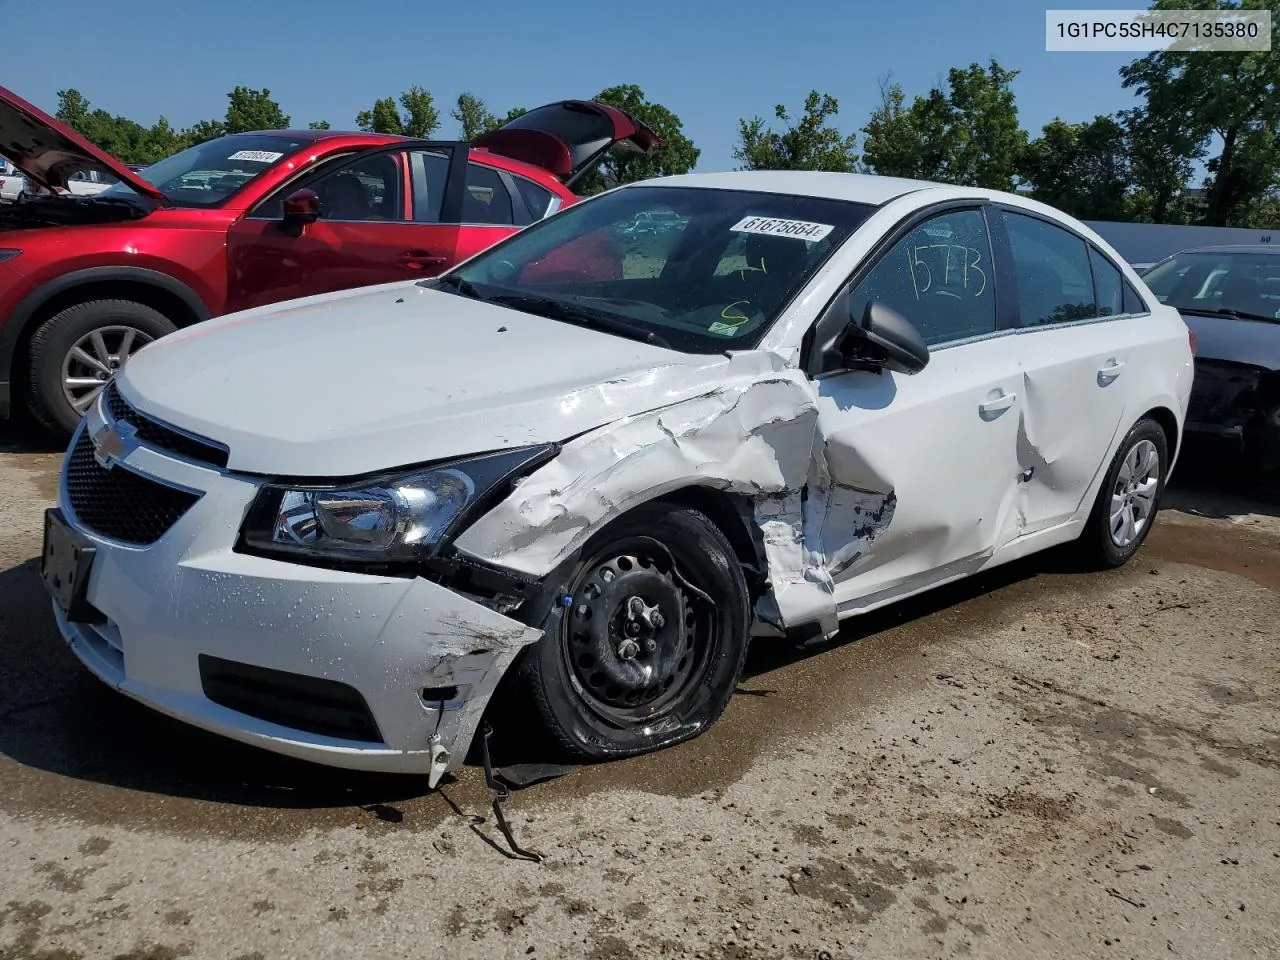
753 435
462 651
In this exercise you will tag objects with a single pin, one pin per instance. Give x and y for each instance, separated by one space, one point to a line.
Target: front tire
649 646
1128 499
75 352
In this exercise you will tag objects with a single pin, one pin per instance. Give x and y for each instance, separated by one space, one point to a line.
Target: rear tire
609 679
1128 499
60 374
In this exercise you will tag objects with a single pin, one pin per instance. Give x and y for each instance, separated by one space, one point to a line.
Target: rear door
492 208
1078 358
385 215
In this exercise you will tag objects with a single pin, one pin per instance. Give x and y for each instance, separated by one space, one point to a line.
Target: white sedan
581 469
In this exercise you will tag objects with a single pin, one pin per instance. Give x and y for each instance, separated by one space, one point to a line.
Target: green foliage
382 118
249 109
1192 100
318 125
967 134
420 117
624 166
810 143
473 116
1081 168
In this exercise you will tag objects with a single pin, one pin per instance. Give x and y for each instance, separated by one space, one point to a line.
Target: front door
383 218
923 468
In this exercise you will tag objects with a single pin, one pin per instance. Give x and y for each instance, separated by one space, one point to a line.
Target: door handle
1110 371
420 259
990 409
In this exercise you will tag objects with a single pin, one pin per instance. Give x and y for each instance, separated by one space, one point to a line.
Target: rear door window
487 200
1051 267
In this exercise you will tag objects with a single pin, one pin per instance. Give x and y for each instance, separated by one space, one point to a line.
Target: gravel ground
1036 763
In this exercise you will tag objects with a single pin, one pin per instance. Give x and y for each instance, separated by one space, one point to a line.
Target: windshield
208 173
1219 282
695 269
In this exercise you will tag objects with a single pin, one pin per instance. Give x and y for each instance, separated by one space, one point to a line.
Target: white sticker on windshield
257 156
776 227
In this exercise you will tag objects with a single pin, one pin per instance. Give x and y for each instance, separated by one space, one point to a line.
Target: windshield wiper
464 287
581 316
1229 312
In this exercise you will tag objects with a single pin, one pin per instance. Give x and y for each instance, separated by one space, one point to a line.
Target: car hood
49 152
1255 343
386 376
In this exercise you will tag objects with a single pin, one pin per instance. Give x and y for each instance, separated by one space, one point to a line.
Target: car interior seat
344 198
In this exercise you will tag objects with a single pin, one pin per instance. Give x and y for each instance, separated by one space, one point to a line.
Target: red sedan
251 219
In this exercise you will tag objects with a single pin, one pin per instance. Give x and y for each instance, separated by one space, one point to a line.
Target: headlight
389 518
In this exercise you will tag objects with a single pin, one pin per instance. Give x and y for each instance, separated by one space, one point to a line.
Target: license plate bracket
65 562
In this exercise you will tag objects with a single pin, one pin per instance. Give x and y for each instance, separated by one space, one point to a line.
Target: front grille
158 435
119 503
311 704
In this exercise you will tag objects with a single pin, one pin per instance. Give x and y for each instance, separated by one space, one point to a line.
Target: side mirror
883 337
300 208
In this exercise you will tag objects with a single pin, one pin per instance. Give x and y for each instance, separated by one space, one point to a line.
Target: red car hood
49 152
569 136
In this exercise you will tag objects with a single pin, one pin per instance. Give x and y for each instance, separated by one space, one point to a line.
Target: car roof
314 136
1236 248
856 187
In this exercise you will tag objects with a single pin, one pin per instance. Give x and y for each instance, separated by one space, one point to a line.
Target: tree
967 134
1161 153
1081 168
624 166
249 109
420 115
161 141
73 109
473 116
1191 97
987 139
318 125
382 118
809 143
202 131
421 118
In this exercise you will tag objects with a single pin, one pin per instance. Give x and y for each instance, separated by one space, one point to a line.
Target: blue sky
710 61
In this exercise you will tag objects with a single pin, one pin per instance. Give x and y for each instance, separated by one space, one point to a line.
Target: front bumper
421 658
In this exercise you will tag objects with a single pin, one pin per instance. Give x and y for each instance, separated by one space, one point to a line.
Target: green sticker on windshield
725 329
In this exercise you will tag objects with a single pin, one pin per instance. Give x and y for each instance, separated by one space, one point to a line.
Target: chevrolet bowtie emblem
113 442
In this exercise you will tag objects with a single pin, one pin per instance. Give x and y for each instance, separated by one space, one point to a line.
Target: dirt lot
1040 764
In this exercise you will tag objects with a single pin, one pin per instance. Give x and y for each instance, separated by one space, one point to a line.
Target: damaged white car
592 460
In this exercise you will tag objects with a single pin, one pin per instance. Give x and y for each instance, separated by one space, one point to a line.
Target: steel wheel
94 359
1133 498
637 635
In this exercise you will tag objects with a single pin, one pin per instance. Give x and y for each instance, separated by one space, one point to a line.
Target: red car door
382 217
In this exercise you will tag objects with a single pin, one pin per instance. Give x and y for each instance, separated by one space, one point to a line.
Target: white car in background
13 185
334 527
